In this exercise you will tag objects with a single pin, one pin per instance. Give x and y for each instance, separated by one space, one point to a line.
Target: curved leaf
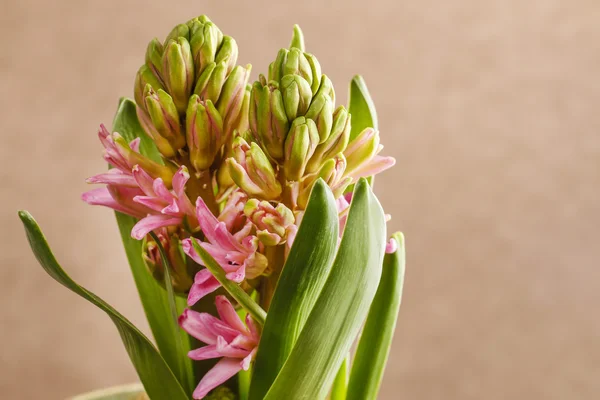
342 306
376 340
173 343
361 107
156 376
340 383
303 276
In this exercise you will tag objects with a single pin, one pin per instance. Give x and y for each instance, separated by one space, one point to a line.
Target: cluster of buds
190 93
236 167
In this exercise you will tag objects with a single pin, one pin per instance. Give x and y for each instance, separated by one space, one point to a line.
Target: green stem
276 258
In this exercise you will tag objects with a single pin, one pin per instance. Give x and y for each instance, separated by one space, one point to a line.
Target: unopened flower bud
162 144
144 77
181 272
154 169
320 111
267 118
300 145
333 173
178 71
297 39
154 53
180 30
164 116
296 63
276 67
231 98
252 171
315 68
296 95
336 142
362 149
211 81
204 132
326 88
273 224
205 39
228 53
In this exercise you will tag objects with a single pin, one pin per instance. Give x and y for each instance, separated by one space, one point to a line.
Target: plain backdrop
491 108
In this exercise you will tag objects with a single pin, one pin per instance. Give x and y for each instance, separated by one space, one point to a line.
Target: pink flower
226 337
236 253
168 207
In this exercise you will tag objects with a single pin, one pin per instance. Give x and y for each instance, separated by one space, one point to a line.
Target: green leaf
173 343
361 107
158 379
376 340
340 383
232 288
304 274
342 306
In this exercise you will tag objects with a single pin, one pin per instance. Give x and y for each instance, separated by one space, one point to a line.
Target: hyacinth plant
247 215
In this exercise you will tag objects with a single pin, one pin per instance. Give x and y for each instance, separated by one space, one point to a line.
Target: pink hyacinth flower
236 253
226 337
119 198
168 207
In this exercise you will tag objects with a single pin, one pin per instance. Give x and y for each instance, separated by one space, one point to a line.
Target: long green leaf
173 344
376 340
156 376
361 107
340 383
342 306
304 274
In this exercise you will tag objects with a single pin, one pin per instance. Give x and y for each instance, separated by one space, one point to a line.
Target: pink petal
373 167
205 327
230 350
245 364
135 144
204 283
102 197
161 190
252 327
221 372
144 180
153 203
152 222
206 219
228 315
113 177
205 353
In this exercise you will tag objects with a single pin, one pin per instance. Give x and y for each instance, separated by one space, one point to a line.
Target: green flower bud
211 82
361 149
332 172
300 145
296 63
267 118
144 77
181 271
181 30
326 88
164 116
315 68
205 39
276 67
336 142
204 132
252 171
154 54
231 98
154 169
320 111
296 95
162 144
228 53
178 71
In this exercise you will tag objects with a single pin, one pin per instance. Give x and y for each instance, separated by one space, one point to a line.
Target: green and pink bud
252 171
300 144
335 143
362 156
178 71
274 225
267 118
164 116
204 132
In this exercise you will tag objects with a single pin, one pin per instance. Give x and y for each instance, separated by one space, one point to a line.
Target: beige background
490 107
